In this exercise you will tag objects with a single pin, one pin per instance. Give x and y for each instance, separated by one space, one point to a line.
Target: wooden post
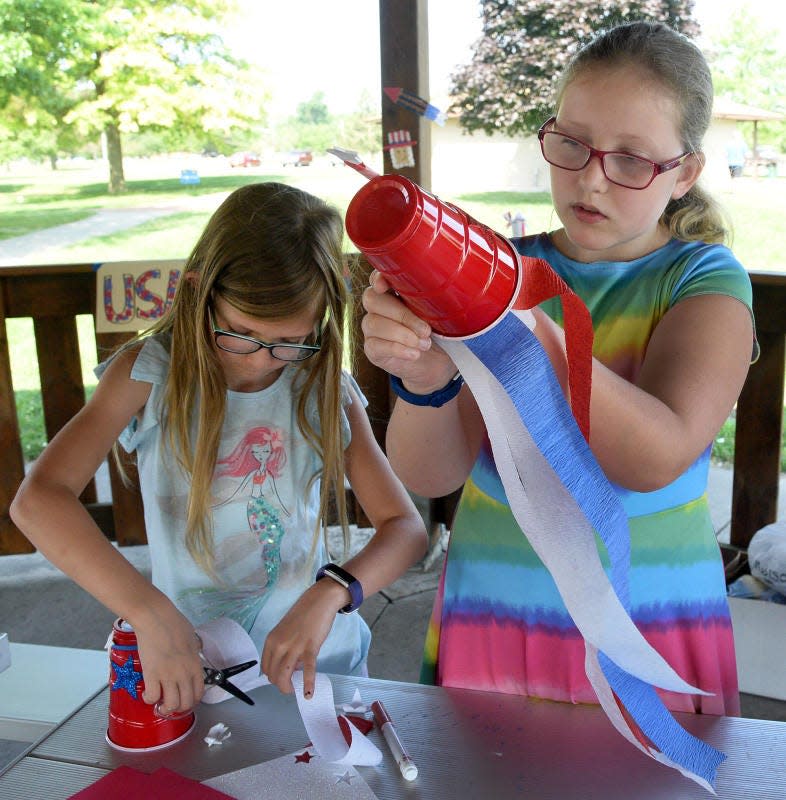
12 466
403 38
757 442
403 28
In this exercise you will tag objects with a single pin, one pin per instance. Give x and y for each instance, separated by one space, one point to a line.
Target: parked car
244 159
297 158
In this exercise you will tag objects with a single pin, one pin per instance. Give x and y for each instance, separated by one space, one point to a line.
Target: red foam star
303 758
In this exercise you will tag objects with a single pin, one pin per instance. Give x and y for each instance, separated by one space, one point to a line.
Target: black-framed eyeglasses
242 345
622 169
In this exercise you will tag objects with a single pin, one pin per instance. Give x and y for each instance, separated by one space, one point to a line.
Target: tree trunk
53 161
114 154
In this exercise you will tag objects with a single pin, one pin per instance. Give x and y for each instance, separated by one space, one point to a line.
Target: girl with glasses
643 246
244 426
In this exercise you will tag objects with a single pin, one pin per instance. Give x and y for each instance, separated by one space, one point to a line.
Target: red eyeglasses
622 169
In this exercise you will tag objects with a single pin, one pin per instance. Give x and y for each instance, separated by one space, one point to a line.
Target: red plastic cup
134 725
456 274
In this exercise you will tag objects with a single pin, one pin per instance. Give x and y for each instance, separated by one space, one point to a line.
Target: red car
244 160
297 158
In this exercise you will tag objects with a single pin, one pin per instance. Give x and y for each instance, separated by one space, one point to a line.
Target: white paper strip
319 717
559 532
225 643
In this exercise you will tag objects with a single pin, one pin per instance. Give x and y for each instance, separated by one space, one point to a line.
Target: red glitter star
303 758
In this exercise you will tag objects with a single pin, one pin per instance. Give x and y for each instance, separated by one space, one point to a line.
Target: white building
462 162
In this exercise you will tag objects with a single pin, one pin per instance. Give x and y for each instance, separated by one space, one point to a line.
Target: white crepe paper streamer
606 699
319 718
224 644
559 532
563 538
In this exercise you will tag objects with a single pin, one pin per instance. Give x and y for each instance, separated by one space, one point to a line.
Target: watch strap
348 581
434 399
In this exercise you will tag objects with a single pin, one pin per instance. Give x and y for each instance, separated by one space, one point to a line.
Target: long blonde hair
678 65
271 251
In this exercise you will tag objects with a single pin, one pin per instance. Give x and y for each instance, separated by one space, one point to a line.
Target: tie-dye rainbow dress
498 622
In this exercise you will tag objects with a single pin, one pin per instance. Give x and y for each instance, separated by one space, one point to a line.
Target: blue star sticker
126 677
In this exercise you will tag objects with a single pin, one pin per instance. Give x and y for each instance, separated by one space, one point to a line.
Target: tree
36 39
123 66
509 84
313 111
749 66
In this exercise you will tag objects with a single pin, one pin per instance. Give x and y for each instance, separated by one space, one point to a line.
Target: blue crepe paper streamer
514 356
659 725
528 378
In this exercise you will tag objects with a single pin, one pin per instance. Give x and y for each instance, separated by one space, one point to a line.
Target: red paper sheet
131 784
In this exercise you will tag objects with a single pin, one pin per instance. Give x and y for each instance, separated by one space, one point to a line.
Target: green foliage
749 66
78 69
509 84
313 111
314 127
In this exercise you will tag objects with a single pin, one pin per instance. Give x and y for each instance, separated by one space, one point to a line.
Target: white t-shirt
263 519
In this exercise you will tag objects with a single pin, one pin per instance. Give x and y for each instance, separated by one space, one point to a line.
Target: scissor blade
230 671
232 689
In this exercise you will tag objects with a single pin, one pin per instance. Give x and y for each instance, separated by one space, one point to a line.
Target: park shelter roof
724 108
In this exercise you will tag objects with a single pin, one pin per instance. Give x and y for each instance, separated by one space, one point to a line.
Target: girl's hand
295 642
399 342
172 669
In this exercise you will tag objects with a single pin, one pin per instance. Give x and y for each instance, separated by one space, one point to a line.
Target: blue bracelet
435 399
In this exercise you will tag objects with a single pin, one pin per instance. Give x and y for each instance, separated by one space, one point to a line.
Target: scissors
220 677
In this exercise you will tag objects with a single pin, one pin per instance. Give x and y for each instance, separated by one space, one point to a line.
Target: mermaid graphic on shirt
259 459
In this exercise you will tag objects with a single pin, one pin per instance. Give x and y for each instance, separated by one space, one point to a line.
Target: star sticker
346 778
303 758
126 677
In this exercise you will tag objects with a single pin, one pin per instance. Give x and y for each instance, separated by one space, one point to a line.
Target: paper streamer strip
225 643
319 717
560 496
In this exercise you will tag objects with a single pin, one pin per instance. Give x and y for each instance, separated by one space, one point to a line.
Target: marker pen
407 766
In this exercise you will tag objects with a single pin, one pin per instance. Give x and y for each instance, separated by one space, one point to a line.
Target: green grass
40 199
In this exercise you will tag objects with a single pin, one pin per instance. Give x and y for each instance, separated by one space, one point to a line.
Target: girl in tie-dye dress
642 246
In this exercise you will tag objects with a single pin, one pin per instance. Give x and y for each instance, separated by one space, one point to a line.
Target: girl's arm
47 510
647 433
399 540
643 434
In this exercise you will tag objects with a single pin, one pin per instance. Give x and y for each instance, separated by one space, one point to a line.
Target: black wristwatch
348 581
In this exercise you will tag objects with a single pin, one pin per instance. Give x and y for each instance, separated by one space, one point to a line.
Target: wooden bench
53 295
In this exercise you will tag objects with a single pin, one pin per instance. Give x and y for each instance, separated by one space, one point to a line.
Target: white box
760 643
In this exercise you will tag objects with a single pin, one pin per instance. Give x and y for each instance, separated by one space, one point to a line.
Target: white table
466 744
44 685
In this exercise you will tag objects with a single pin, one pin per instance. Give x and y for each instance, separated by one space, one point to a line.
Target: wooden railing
54 295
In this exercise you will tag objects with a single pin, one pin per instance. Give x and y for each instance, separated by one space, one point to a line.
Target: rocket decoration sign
400 146
476 291
401 97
